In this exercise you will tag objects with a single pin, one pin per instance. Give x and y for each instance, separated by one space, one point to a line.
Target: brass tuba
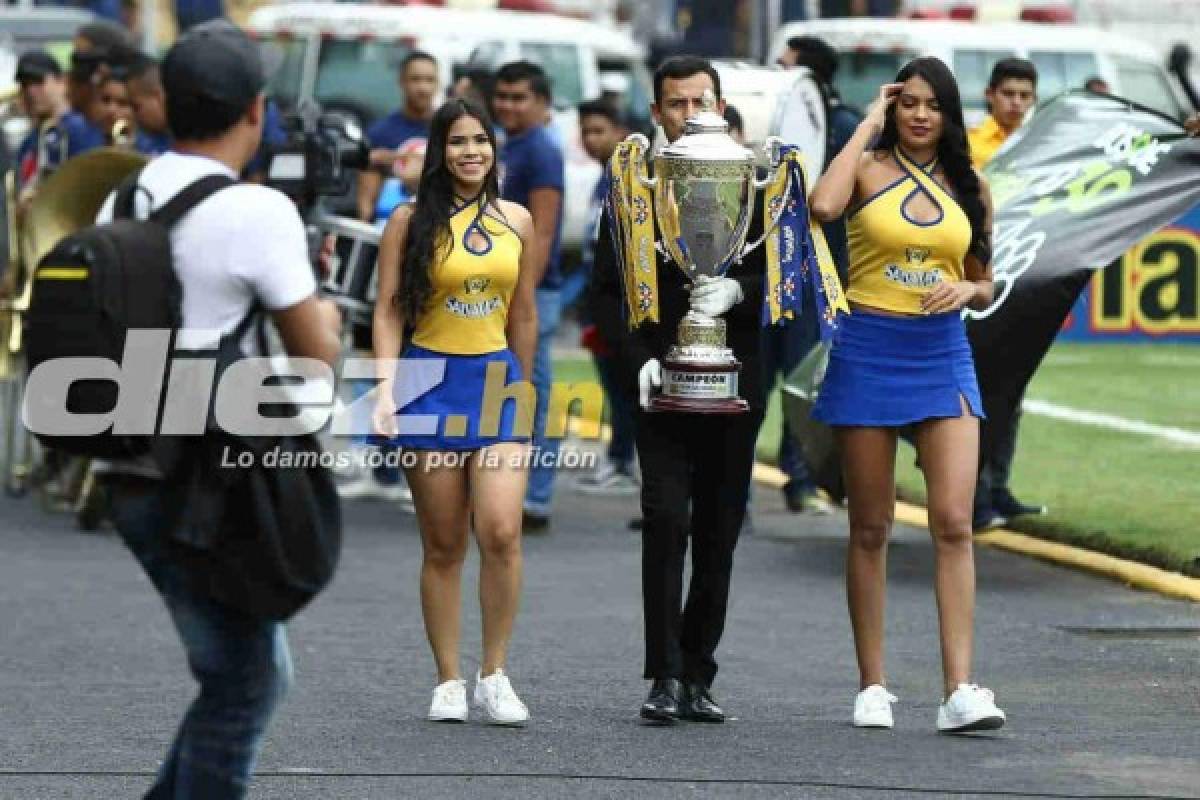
71 198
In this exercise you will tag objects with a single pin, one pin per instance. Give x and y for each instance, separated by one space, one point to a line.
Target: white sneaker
449 702
607 479
873 707
970 708
500 704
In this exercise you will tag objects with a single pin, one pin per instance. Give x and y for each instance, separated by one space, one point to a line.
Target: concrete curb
1131 573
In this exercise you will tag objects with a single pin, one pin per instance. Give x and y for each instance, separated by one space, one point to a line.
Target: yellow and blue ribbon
797 253
631 220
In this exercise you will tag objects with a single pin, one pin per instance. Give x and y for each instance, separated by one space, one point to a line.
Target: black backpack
89 291
261 538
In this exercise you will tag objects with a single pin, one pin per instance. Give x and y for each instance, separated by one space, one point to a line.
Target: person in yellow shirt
1011 93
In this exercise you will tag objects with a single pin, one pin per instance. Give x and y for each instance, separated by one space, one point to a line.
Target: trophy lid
706 138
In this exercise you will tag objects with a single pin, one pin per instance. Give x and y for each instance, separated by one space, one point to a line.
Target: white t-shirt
242 243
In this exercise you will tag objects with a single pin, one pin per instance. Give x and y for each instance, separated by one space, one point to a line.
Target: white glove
714 296
650 375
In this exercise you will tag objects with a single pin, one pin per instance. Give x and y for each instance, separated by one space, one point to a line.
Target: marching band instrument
72 196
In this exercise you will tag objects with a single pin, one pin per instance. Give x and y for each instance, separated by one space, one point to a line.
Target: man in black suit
695 468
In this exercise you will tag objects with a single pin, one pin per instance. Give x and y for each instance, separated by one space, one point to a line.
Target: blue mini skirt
893 371
444 411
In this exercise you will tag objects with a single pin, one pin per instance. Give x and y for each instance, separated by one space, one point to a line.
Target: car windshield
1147 84
354 76
560 62
284 60
360 77
1058 72
972 69
860 74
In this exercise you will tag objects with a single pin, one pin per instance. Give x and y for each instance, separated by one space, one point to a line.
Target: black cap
35 65
216 61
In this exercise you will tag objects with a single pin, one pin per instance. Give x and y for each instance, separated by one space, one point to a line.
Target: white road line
1112 422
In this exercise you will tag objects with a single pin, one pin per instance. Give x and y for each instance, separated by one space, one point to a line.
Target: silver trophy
704 191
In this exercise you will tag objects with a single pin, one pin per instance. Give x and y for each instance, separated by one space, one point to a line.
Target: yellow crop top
468 310
895 260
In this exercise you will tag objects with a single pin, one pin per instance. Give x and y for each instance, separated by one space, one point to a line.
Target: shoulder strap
257 317
126 193
248 320
190 197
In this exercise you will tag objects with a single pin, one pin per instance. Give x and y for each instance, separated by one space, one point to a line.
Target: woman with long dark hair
455 271
919 228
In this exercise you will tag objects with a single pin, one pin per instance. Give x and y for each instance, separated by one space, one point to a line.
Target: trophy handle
643 175
773 150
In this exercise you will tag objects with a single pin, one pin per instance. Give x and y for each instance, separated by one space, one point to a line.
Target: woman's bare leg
949 453
868 461
440 496
497 493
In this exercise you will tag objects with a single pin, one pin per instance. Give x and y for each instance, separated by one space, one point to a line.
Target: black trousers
997 448
695 479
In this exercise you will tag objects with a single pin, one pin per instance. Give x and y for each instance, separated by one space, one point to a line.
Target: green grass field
1125 493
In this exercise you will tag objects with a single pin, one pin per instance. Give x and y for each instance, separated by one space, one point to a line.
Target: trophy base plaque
700 375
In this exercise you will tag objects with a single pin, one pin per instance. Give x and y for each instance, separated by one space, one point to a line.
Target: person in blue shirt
149 103
95 44
99 49
533 176
419 87
111 111
43 96
601 129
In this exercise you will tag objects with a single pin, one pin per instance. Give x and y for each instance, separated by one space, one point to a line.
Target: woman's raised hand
877 113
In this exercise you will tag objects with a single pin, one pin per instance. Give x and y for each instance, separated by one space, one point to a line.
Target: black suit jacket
632 349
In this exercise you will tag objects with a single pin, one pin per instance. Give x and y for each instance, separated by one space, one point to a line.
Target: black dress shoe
1009 506
662 704
698 705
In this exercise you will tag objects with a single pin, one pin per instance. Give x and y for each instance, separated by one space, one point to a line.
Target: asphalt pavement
1101 683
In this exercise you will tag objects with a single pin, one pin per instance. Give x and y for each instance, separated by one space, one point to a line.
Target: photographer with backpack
235 248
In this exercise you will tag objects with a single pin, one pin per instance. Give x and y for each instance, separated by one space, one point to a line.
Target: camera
319 157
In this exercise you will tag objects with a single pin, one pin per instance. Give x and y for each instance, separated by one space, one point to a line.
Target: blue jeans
540 491
242 664
574 286
620 404
784 347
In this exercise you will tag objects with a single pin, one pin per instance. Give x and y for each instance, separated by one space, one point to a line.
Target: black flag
1087 178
